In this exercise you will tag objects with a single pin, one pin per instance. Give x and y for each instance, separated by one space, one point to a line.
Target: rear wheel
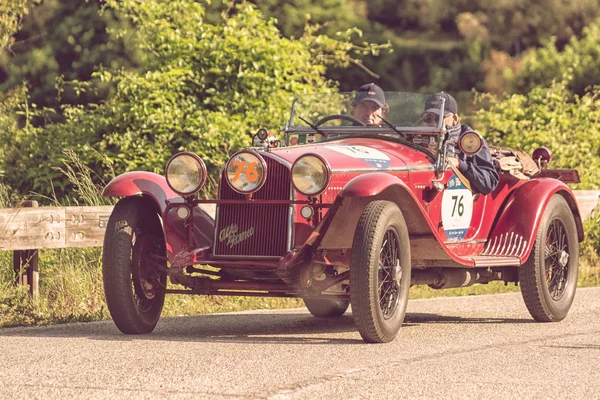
326 307
134 265
549 277
380 272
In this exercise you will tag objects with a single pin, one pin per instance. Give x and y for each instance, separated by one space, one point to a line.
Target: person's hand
453 161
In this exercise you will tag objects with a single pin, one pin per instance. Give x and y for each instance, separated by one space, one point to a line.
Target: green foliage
435 43
334 15
11 13
550 117
31 145
591 226
66 40
204 88
69 289
580 58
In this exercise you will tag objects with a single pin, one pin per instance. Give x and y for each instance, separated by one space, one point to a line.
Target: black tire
548 278
326 307
380 272
134 287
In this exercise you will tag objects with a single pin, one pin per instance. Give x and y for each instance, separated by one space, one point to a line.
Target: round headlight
311 174
246 172
185 173
470 143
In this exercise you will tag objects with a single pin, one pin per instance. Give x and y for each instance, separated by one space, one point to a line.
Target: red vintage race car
339 213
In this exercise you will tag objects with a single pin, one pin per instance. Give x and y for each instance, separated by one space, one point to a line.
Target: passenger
369 105
478 169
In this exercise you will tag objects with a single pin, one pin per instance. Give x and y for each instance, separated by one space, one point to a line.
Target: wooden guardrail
28 228
52 227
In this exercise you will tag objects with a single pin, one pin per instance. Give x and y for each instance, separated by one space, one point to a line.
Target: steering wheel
339 116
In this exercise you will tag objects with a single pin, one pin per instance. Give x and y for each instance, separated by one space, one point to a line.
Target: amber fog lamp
246 172
470 143
311 174
185 173
542 155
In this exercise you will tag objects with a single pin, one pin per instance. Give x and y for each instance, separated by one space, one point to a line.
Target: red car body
260 244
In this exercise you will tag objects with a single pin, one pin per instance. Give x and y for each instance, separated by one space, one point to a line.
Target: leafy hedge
580 59
204 88
552 117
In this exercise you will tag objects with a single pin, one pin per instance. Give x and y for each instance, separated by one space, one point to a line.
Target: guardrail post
25 262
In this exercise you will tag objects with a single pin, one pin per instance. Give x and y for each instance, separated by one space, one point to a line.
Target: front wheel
380 272
134 265
326 307
549 277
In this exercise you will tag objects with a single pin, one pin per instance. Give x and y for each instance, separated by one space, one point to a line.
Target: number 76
249 171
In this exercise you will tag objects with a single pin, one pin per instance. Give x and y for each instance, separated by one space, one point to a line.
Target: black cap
371 92
434 103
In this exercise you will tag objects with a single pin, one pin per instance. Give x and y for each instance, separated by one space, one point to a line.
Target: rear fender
514 231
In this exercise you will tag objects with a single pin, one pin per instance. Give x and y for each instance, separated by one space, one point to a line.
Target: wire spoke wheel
548 278
388 284
556 260
380 272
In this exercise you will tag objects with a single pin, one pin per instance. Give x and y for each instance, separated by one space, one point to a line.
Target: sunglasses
432 118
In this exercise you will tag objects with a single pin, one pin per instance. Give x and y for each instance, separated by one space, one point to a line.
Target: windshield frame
383 132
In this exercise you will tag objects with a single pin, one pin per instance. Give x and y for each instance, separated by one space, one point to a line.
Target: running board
495 261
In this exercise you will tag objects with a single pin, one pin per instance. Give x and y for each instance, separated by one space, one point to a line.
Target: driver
478 169
369 105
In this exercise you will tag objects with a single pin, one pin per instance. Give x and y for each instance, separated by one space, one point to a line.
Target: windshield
401 109
411 117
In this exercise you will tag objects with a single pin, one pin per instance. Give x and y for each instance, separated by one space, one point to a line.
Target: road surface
467 347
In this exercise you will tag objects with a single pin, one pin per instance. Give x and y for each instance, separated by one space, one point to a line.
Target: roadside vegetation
147 79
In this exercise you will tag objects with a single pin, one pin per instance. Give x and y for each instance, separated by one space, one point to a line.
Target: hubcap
564 259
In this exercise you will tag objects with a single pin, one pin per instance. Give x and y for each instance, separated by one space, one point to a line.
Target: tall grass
70 279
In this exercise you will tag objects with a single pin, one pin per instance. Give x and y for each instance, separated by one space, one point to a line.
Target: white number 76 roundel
457 209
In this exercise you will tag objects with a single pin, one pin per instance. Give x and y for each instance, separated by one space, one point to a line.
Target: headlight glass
470 143
246 172
310 175
186 173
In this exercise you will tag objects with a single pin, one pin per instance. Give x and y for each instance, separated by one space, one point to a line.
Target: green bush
203 87
552 117
11 13
580 58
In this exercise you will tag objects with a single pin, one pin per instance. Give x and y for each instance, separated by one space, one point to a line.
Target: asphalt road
468 347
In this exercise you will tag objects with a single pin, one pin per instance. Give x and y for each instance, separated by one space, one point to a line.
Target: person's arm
479 170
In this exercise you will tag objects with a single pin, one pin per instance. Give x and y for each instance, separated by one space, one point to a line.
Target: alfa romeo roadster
339 213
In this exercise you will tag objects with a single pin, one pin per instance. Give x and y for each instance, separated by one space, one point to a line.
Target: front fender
368 185
514 232
362 190
139 182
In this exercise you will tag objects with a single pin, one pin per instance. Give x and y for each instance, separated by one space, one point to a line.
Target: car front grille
255 230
